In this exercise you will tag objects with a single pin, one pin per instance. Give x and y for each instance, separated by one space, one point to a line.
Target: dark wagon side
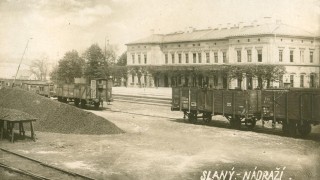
237 106
295 109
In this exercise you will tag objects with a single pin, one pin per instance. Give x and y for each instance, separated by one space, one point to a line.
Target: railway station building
162 60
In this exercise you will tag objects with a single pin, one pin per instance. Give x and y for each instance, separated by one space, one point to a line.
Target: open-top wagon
295 109
82 93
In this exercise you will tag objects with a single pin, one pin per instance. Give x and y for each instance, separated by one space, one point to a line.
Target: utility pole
15 77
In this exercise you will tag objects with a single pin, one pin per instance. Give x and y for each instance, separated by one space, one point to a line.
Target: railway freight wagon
295 109
40 87
237 106
82 93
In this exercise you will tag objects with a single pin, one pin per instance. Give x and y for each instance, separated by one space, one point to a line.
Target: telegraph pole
105 47
15 77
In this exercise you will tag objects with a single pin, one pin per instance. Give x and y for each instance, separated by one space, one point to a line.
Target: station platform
162 93
155 96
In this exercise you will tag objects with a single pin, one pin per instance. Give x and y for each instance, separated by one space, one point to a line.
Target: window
216 57
145 58
249 55
215 80
208 57
291 80
239 56
132 58
301 80
179 57
291 55
166 58
259 55
281 81
280 55
312 81
199 57
187 58
302 56
239 82
224 57
194 58
132 78
311 56
145 79
172 58
139 59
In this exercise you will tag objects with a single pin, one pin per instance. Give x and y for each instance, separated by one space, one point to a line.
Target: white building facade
276 44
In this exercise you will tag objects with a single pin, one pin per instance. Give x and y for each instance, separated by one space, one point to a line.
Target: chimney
267 20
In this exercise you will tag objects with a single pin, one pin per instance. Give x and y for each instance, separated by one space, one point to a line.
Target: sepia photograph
160 89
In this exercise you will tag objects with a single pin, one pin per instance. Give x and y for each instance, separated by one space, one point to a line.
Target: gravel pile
54 116
13 114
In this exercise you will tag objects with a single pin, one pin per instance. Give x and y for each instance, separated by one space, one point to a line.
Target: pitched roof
211 34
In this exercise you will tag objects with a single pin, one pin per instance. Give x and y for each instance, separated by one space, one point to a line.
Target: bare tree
39 68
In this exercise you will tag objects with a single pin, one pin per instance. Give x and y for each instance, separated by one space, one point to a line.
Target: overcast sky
57 26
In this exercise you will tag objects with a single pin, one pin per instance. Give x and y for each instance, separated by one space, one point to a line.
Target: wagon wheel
251 123
76 102
235 122
65 100
96 105
207 117
192 117
304 129
285 128
83 103
292 129
289 129
185 114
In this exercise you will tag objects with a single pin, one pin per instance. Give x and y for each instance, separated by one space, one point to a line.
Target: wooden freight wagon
237 106
185 99
46 90
295 109
83 93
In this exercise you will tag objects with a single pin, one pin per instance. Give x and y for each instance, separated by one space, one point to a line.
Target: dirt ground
160 145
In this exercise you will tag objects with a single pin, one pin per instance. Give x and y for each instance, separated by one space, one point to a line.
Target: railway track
25 167
160 101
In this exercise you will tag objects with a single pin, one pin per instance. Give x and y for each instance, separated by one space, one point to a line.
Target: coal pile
13 114
53 116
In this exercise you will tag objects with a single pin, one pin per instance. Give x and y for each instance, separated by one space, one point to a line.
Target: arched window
312 81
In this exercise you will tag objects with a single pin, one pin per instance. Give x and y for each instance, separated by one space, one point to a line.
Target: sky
58 26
